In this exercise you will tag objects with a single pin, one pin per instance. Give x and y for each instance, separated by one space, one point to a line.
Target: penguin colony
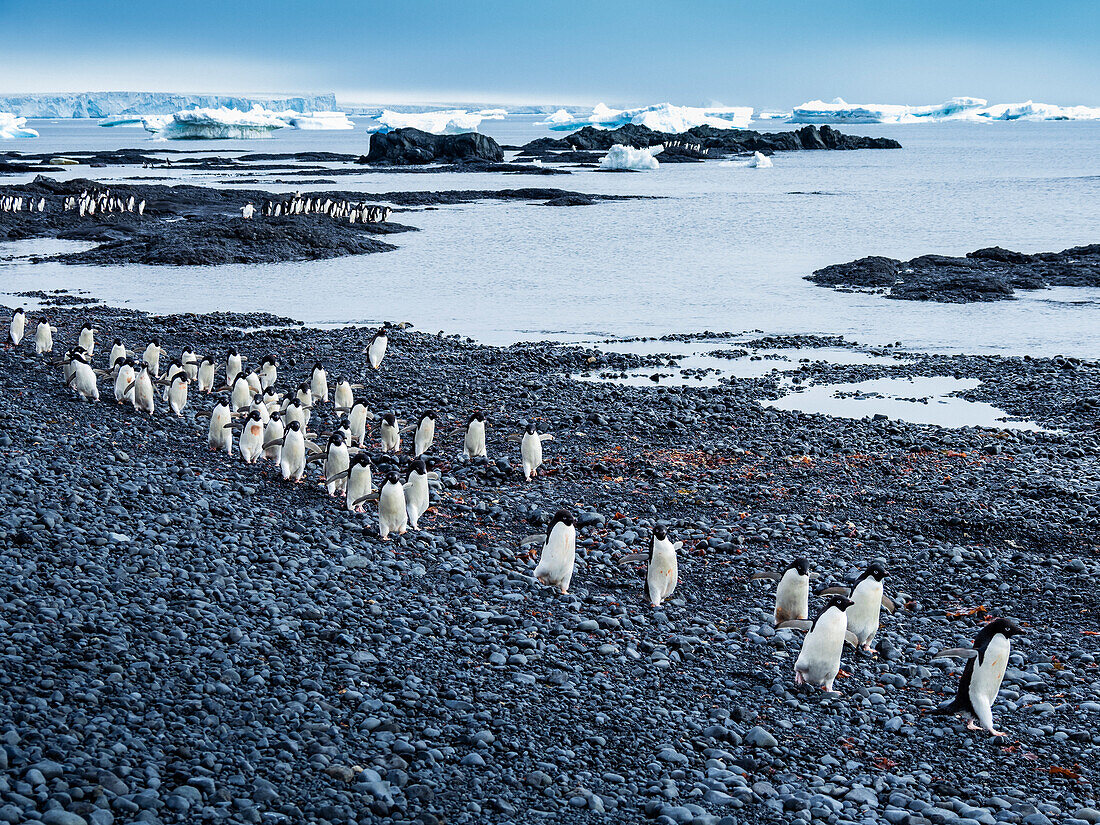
272 425
86 203
338 210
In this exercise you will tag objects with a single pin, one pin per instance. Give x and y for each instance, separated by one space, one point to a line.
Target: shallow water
723 248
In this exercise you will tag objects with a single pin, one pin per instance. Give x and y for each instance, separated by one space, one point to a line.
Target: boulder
412 147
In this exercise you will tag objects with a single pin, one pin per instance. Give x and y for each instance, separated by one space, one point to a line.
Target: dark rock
405 147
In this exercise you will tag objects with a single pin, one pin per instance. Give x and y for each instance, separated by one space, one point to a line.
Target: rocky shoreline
187 225
990 274
187 638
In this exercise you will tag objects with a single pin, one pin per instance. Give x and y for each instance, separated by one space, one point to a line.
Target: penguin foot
972 725
993 732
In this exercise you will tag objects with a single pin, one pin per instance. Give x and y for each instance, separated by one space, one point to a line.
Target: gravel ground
184 638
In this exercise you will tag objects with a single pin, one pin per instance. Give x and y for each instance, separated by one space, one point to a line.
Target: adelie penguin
234 363
151 357
986 662
15 329
142 389
124 378
318 382
118 350
177 393
251 443
357 422
273 432
359 482
393 515
205 376
473 445
530 448
43 337
190 363
342 396
818 662
425 434
390 432
868 601
292 455
662 569
220 434
86 339
83 378
269 371
417 496
376 350
336 460
792 595
559 551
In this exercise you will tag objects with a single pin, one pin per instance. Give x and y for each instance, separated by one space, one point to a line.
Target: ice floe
232 124
957 108
621 158
14 127
444 122
318 120
661 117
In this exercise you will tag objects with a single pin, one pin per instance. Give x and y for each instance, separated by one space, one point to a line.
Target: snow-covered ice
234 124
661 117
760 161
445 122
957 108
14 127
317 120
622 158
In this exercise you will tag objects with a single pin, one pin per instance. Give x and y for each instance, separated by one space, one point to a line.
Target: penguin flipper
367 497
278 442
407 429
536 538
766 574
312 445
678 545
515 438
316 457
336 477
834 591
851 638
889 604
795 624
634 557
957 653
546 437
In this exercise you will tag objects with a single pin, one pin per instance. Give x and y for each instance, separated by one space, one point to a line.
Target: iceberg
445 122
232 124
317 120
139 104
957 108
14 127
661 117
621 158
760 161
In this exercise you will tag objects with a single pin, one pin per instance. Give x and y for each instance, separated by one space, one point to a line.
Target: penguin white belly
232 366
295 414
177 397
117 351
863 616
559 554
392 514
123 379
359 485
342 397
985 681
151 357
252 441
358 423
268 377
417 499
220 437
792 597
273 432
391 439
292 457
143 393
819 660
336 462
241 396
662 573
86 340
319 386
376 352
253 382
43 339
191 369
425 434
531 452
206 377
18 324
85 383
474 445
261 408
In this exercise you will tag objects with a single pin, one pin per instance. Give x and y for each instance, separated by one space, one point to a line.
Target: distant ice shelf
140 104
443 122
661 117
974 109
224 123
14 127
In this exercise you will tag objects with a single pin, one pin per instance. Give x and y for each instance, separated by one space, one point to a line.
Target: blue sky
636 52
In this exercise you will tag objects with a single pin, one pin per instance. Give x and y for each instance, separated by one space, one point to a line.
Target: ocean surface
719 246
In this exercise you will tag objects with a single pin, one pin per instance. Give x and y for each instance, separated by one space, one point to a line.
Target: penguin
358 483
662 570
863 616
357 421
43 338
390 433
336 461
530 449
792 596
240 393
174 369
118 350
68 362
342 397
234 363
292 456
559 551
18 324
254 382
220 433
83 378
294 411
272 400
376 351
393 515
142 397
318 382
305 398
269 371
251 442
273 432
151 357
124 379
425 434
190 363
259 406
247 211
205 375
986 662
473 445
818 662
86 339
177 393
417 497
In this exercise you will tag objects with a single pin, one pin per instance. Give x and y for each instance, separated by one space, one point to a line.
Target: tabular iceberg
661 117
232 124
957 108
446 122
317 120
621 158
14 127
137 104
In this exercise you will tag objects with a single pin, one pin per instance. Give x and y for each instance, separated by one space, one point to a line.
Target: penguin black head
254 415
837 601
118 342
206 359
293 425
317 366
303 387
875 570
294 402
419 466
660 533
392 477
120 359
181 377
270 359
800 565
336 438
476 415
561 517
19 311
429 414
530 429
186 350
390 419
230 351
1004 627
275 416
361 459
87 326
